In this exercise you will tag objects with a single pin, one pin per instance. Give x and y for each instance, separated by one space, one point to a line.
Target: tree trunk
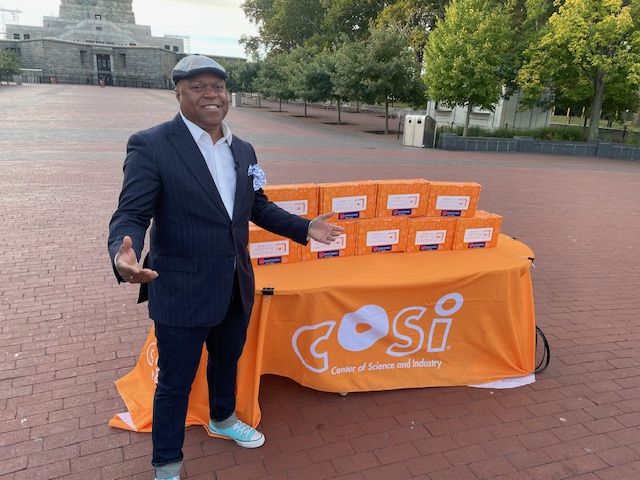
279 104
636 120
339 107
386 116
596 106
305 108
466 119
259 106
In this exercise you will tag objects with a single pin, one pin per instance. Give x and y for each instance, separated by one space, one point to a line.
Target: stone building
93 41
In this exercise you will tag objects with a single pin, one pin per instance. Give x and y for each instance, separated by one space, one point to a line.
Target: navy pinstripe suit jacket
194 245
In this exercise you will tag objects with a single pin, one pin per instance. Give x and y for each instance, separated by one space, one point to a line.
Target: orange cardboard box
402 197
349 199
299 199
376 235
453 199
481 231
343 246
430 233
266 248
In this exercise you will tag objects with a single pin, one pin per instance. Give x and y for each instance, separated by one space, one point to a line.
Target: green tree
350 63
242 76
588 44
466 54
283 24
309 78
528 19
272 79
381 68
392 73
350 18
9 64
418 16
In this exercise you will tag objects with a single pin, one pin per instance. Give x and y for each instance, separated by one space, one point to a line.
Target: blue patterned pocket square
259 178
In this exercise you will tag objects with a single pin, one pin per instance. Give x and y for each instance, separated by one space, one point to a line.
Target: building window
132 44
98 28
166 47
90 41
83 57
175 49
27 36
16 36
98 17
123 60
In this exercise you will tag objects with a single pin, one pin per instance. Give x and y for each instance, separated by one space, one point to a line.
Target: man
201 185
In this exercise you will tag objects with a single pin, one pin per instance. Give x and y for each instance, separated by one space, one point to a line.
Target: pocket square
259 177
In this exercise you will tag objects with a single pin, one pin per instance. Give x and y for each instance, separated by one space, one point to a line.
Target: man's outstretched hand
128 267
322 231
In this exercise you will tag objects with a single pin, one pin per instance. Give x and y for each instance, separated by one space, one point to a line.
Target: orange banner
374 322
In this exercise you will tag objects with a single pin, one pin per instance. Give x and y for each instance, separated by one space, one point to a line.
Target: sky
215 26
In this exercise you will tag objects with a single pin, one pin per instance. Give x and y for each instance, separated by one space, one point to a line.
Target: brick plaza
68 331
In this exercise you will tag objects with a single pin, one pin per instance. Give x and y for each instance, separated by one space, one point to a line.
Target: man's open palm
128 267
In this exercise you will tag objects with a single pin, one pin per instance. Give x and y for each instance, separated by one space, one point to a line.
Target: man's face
203 100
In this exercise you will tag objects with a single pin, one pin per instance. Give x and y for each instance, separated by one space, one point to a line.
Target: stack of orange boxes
266 248
412 215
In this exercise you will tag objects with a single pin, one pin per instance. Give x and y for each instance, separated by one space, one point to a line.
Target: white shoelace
243 429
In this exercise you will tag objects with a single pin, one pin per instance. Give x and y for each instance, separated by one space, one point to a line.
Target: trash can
424 132
409 126
418 131
236 99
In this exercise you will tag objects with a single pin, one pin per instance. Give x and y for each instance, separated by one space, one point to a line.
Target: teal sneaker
170 471
241 433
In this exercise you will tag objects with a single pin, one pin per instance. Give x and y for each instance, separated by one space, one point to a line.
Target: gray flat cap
196 64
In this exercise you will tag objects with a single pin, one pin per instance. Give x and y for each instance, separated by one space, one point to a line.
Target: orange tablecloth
374 322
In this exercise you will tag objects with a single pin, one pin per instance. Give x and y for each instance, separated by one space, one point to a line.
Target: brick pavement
67 331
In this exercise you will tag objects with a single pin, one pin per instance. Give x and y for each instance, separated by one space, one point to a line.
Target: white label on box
349 204
340 243
382 237
478 234
297 207
276 248
404 200
430 237
449 202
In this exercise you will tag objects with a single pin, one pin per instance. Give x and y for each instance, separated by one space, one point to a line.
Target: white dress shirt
219 160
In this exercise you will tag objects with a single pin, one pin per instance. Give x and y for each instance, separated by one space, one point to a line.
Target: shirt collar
197 132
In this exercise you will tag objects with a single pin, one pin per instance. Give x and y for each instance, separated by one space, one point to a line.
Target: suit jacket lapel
242 167
190 154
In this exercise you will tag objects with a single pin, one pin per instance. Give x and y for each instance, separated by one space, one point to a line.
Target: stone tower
117 11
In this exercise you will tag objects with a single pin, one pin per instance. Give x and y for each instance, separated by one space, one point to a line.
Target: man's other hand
128 267
324 232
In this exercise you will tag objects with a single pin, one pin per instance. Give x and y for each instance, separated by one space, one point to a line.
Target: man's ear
177 93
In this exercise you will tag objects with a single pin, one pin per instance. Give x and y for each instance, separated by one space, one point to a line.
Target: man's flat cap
196 64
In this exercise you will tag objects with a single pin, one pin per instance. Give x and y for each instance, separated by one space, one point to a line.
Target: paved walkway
67 331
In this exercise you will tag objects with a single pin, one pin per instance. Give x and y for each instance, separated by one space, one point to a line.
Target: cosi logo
360 330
